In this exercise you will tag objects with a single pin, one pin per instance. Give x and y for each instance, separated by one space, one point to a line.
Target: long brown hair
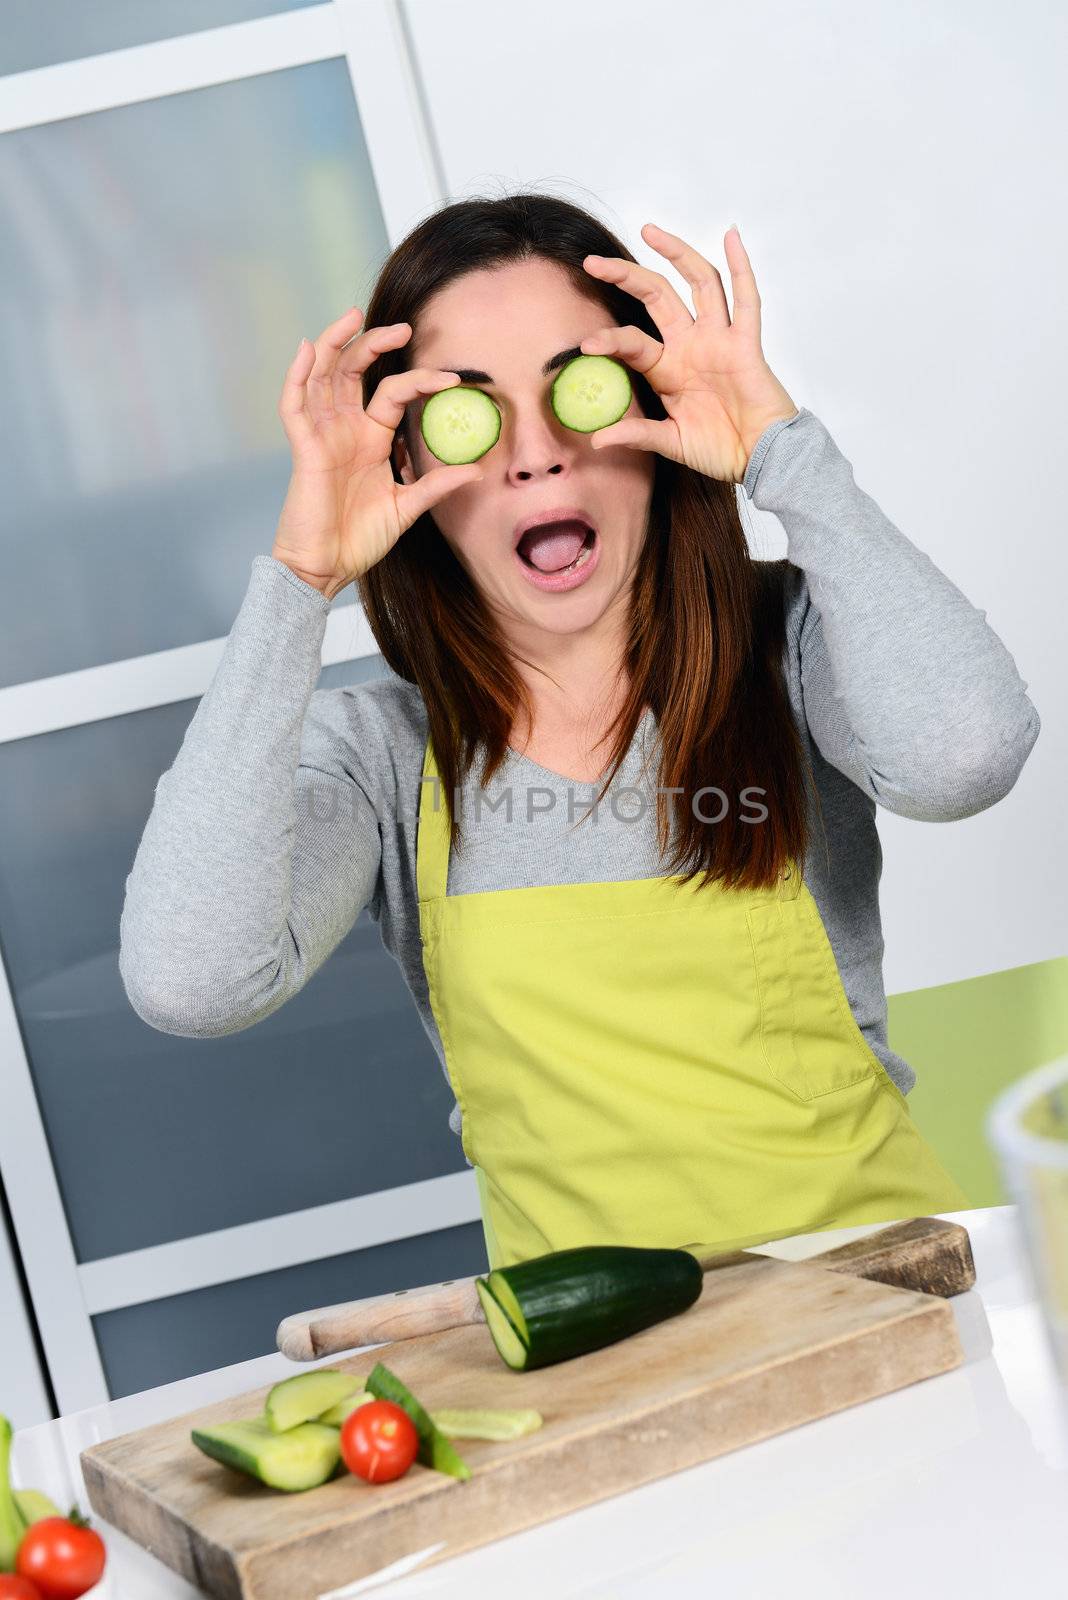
706 635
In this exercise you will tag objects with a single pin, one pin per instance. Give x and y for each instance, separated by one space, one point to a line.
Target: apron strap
432 836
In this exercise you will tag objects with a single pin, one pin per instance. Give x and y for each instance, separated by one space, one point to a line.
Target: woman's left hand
710 374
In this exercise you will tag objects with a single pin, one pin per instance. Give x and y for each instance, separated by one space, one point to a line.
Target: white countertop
955 1486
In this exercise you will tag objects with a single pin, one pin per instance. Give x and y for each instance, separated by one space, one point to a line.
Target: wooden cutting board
768 1345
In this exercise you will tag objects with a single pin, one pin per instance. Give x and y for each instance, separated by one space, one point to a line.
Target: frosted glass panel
156 1137
40 33
158 266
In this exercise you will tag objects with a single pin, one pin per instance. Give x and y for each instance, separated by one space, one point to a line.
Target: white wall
891 170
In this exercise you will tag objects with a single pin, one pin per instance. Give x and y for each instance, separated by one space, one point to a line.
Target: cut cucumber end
509 1345
506 1298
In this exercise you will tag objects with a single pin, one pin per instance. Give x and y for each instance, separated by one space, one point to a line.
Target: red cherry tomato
379 1441
62 1558
12 1587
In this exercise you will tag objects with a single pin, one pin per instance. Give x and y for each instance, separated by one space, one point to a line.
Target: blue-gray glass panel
157 1137
162 1340
364 669
158 265
40 33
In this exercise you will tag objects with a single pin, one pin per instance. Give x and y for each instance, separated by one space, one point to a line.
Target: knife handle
380 1319
927 1254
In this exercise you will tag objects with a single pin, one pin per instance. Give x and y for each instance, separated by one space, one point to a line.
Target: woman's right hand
344 510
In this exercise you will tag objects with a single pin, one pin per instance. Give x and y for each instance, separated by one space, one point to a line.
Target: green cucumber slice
306 1395
301 1458
572 1301
11 1524
460 424
33 1506
591 392
457 1423
434 1449
344 1408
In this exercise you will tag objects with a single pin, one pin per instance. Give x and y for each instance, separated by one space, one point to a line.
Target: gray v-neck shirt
288 809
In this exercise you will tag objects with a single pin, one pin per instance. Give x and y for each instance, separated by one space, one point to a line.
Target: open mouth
556 547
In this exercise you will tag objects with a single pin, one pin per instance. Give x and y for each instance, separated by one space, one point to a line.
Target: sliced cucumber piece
305 1396
11 1524
33 1506
300 1458
568 1302
434 1449
461 1424
591 392
460 424
344 1408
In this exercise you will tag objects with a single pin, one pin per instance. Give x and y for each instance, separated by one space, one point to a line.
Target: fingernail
300 346
734 226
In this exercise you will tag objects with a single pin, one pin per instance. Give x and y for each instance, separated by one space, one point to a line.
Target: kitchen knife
928 1254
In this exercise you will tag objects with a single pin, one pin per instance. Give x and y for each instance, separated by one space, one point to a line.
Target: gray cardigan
289 809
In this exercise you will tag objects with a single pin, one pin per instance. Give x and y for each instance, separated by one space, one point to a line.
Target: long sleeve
261 849
907 688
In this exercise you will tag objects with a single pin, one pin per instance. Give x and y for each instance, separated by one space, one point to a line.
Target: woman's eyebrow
472 374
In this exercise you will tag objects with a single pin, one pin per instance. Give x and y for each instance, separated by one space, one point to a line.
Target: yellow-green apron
654 1063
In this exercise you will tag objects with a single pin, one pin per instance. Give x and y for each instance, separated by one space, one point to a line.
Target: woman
645 1020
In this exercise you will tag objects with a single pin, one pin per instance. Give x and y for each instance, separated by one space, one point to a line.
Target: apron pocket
810 1038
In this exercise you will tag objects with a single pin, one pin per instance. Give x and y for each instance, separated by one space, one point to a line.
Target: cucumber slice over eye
460 424
591 392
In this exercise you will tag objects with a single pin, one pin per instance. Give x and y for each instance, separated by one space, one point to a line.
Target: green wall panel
969 1040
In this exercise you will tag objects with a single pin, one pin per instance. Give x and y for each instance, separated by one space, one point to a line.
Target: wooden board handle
927 1254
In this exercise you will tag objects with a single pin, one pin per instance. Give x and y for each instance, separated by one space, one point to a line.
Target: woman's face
509 322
